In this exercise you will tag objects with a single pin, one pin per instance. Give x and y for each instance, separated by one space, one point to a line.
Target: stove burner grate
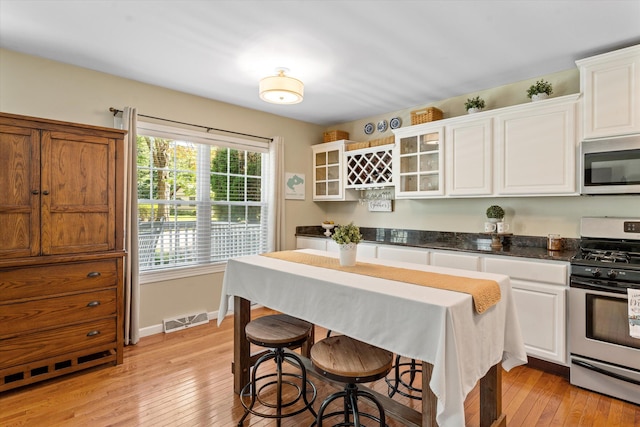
606 256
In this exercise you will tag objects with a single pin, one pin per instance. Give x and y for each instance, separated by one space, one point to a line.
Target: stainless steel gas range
604 356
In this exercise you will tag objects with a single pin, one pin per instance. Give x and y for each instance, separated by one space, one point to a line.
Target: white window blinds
201 198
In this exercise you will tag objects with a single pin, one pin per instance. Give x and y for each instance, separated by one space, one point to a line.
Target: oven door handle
605 372
575 283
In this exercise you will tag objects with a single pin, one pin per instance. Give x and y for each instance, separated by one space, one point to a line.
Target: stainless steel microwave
610 165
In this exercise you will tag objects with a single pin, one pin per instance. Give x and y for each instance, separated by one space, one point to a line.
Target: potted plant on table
347 237
473 105
541 90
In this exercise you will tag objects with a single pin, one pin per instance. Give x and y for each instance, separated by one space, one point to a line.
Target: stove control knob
597 272
612 274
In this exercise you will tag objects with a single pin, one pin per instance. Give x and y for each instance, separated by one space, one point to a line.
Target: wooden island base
490 385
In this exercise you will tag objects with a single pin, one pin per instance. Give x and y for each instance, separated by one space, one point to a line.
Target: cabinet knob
94 274
35 192
93 333
93 304
45 192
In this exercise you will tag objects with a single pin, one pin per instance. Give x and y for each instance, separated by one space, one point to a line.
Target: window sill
148 277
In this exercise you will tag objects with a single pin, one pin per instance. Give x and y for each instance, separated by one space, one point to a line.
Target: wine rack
370 167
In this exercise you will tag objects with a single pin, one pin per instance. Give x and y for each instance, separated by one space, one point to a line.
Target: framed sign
294 184
380 205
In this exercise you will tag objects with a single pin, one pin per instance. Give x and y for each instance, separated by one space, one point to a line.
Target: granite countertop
512 245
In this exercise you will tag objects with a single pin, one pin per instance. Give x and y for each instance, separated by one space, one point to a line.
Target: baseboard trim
550 367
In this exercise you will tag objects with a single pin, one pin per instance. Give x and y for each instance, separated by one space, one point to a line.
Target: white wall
38 87
529 216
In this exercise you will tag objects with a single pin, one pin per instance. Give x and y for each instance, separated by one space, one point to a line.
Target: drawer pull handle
93 333
94 274
93 304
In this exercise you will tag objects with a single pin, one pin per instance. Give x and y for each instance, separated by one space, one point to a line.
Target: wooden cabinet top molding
53 125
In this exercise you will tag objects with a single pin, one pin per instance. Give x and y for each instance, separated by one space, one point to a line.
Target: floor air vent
186 321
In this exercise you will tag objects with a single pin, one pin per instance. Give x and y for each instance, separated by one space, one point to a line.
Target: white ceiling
356 58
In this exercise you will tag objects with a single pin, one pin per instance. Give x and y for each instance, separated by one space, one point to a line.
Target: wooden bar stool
350 361
277 332
400 369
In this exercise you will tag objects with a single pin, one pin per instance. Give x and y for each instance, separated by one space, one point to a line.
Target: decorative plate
395 123
382 125
368 128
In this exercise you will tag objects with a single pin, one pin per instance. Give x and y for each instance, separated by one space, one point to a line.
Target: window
201 198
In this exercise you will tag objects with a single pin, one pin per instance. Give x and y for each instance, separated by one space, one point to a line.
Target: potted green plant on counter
473 105
347 237
495 213
540 90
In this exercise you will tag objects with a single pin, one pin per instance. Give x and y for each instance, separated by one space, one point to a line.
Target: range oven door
599 325
604 357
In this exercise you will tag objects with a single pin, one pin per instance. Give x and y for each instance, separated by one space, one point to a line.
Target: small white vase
539 96
473 110
348 254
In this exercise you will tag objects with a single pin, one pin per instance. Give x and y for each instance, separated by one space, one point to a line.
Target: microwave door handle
605 372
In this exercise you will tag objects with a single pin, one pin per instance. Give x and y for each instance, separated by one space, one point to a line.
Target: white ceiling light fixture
281 89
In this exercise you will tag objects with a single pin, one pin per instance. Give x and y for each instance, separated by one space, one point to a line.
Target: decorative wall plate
395 123
382 125
369 128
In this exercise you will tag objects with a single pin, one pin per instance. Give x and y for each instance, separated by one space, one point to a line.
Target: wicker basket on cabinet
335 135
425 115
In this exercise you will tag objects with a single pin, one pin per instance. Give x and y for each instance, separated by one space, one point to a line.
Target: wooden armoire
61 248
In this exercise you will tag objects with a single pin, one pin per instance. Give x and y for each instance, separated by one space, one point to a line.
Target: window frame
199 137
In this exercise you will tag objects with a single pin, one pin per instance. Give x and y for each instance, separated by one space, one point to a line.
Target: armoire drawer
51 343
43 313
40 281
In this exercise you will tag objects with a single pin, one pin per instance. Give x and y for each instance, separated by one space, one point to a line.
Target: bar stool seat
277 332
344 359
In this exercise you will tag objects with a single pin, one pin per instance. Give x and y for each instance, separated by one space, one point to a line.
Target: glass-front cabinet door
328 171
419 161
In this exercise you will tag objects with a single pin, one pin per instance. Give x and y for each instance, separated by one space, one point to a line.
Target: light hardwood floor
184 379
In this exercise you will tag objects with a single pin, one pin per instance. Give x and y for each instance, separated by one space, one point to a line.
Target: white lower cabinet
417 256
539 288
455 260
311 243
540 293
541 311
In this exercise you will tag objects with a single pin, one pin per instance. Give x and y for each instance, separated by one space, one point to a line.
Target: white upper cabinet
329 171
468 155
536 147
610 84
418 161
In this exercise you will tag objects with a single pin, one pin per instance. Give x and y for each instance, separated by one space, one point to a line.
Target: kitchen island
458 345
